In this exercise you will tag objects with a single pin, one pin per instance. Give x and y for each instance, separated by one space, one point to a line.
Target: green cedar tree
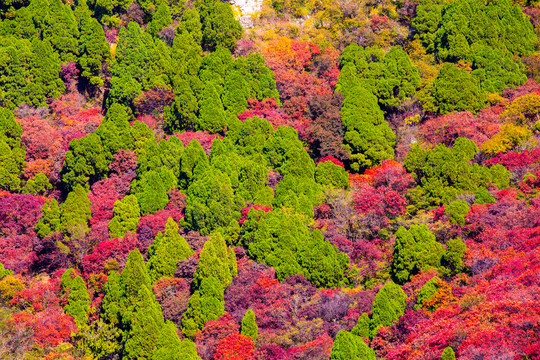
483 196
348 346
38 185
93 49
78 304
362 327
114 130
161 18
132 279
448 354
212 115
193 162
452 258
86 162
211 202
153 196
111 304
456 89
219 27
249 326
235 93
4 272
45 74
76 211
145 324
388 306
214 261
166 251
50 221
182 114
168 346
191 23
329 174
456 211
415 250
427 291
192 318
126 217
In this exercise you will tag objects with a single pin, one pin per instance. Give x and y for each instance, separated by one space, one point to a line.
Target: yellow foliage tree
510 136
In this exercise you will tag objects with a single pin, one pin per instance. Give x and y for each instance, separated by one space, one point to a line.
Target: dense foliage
184 180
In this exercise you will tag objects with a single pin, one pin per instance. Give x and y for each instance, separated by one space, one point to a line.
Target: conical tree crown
213 261
145 324
249 326
133 277
166 251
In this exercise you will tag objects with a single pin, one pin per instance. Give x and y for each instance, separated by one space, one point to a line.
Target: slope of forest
337 179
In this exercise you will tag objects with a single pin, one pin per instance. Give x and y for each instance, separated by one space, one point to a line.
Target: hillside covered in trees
337 180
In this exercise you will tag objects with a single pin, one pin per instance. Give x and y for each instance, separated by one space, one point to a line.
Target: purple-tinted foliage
18 216
271 352
49 257
69 73
186 268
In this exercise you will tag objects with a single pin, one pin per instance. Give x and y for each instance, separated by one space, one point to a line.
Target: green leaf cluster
415 250
285 242
166 251
12 155
444 172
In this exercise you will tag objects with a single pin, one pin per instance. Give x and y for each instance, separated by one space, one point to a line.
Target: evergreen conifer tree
427 291
4 272
456 211
212 116
212 299
78 304
233 264
58 27
114 130
214 261
452 258
455 89
388 306
166 251
93 49
235 93
194 162
161 18
133 277
414 250
129 65
45 71
168 346
145 324
348 78
154 194
126 217
191 23
10 129
211 202
111 304
86 162
350 347
448 354
220 28
362 326
76 210
249 326
182 114
192 320
11 166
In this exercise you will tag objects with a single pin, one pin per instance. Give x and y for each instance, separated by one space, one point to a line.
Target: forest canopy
285 180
